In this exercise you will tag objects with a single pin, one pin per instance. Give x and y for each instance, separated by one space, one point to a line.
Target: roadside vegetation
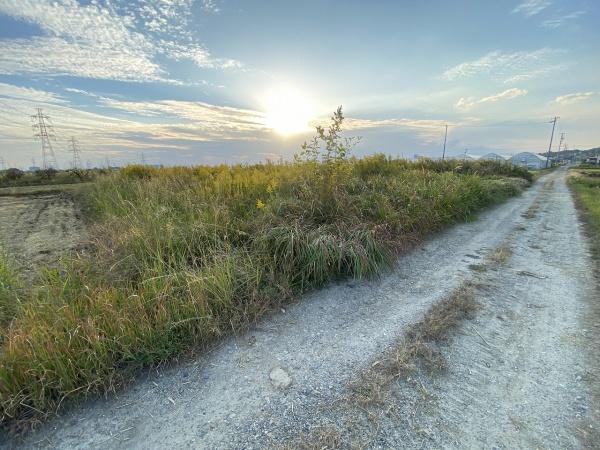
585 183
182 256
14 177
9 287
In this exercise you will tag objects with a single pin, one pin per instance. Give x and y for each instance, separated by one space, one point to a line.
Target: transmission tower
2 163
44 131
76 153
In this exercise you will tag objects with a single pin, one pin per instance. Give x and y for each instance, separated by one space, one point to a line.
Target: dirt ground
521 374
36 229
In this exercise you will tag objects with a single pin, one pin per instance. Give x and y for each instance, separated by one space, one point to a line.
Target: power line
44 132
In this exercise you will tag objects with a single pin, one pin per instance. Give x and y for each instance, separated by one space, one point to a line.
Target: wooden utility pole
553 122
445 137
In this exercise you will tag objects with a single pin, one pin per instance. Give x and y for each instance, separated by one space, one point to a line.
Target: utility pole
560 144
553 122
76 153
445 137
44 132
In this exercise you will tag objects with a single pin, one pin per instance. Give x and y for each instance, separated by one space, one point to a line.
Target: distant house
493 157
593 160
529 160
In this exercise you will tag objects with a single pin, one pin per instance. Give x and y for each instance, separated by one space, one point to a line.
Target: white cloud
562 20
217 121
469 103
211 6
573 98
507 66
98 40
55 56
531 7
29 94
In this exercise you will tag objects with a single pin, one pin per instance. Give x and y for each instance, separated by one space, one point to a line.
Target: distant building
493 157
33 169
593 160
529 160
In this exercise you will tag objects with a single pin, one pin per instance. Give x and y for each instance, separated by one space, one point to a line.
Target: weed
10 285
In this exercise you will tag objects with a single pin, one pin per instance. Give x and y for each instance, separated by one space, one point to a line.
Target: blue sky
210 81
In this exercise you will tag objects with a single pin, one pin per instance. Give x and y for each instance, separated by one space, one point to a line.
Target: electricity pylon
44 131
76 153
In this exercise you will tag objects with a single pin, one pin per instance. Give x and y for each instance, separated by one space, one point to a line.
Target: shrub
13 174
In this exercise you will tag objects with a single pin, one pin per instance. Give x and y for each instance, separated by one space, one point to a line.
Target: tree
13 174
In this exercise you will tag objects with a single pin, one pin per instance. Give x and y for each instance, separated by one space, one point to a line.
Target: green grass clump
185 255
9 287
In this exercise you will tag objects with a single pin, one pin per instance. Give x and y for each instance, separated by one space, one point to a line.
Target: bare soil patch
37 229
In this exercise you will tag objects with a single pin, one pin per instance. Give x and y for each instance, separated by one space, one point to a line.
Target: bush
13 174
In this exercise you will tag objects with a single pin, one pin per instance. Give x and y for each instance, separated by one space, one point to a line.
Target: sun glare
288 111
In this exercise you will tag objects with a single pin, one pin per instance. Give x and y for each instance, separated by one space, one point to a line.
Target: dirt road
520 374
37 229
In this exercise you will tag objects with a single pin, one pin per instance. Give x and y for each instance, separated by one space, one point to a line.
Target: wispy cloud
506 66
211 6
56 57
573 98
558 22
103 39
531 7
469 103
11 91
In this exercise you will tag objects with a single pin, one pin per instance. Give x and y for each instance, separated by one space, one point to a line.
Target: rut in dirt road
38 229
519 381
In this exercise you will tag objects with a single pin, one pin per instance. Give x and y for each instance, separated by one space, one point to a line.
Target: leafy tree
13 174
47 174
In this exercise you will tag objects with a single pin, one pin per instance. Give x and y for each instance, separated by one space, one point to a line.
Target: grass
417 347
9 289
15 178
182 256
585 184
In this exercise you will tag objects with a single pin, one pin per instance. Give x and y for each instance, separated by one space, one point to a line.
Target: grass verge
10 285
183 256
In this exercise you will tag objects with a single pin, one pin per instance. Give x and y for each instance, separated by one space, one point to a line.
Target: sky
179 82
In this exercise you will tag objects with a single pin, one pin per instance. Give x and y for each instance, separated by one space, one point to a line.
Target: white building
529 160
493 157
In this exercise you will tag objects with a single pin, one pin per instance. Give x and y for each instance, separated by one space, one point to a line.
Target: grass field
182 256
9 287
585 183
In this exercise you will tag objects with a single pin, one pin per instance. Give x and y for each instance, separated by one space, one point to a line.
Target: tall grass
586 186
185 255
9 288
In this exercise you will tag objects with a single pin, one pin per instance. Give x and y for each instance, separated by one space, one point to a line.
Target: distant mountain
575 155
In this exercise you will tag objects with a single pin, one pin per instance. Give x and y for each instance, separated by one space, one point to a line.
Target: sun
288 111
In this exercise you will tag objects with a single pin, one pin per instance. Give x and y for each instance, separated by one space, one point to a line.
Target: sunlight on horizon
288 111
